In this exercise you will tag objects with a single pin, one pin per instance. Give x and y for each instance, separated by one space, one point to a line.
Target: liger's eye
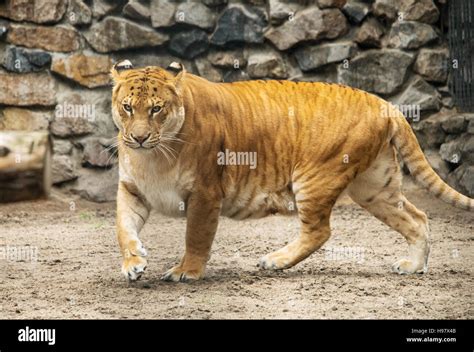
156 109
127 108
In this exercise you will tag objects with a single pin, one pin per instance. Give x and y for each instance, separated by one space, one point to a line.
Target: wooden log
25 165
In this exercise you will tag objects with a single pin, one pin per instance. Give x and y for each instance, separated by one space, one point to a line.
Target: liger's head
147 104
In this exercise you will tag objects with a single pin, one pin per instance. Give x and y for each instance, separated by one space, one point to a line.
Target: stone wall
56 54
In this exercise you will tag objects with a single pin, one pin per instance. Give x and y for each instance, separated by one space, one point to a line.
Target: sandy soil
77 271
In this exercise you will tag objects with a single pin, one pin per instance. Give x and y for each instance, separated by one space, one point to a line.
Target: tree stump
25 165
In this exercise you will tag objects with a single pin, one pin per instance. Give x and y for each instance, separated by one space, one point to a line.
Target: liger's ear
178 71
120 67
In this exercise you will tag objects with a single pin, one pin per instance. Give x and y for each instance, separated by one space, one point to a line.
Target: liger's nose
141 138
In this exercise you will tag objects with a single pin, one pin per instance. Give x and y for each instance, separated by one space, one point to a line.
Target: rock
87 70
282 10
137 11
27 89
227 58
97 185
207 70
432 64
455 124
386 9
62 169
57 38
470 125
195 14
95 153
462 179
239 24
18 119
411 35
440 166
4 25
115 33
78 13
22 60
266 63
71 118
331 3
458 150
429 131
37 11
91 106
213 3
355 11
312 57
418 93
378 71
162 13
102 8
370 34
447 102
419 10
62 147
188 44
234 75
309 24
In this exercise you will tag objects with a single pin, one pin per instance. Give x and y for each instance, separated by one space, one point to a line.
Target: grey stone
309 24
312 57
282 10
188 44
470 125
266 63
137 11
386 9
162 13
411 35
462 179
239 24
196 14
418 93
207 70
227 58
102 8
440 166
432 64
115 33
378 71
78 13
355 11
95 153
370 33
331 3
213 3
429 131
62 147
458 150
62 169
22 60
419 10
455 124
97 185
234 75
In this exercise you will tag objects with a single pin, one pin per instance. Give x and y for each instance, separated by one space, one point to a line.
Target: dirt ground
75 271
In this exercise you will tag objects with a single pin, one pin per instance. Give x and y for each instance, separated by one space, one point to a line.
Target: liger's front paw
181 274
133 267
407 266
